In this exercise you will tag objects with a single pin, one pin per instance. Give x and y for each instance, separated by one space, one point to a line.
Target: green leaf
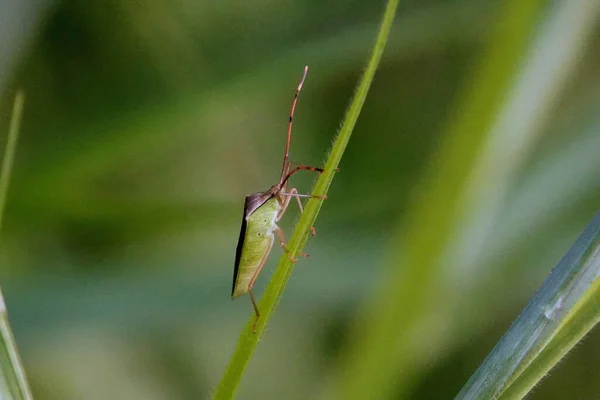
564 309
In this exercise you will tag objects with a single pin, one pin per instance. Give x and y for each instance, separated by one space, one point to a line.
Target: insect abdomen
257 244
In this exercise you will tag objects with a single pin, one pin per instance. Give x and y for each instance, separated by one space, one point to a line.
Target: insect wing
252 202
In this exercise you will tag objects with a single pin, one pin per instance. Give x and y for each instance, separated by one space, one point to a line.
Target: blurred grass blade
565 309
248 341
9 151
551 62
391 329
14 383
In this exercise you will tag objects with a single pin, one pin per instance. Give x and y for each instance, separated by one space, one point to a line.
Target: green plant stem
248 340
13 380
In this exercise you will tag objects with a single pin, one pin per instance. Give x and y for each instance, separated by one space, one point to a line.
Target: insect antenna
285 166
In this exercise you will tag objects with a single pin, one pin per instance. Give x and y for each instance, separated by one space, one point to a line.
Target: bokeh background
146 124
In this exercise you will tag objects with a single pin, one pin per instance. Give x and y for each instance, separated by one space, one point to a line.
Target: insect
262 211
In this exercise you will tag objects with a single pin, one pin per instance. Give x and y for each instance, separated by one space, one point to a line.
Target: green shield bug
262 211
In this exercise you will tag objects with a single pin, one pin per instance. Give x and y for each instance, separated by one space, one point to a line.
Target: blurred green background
146 124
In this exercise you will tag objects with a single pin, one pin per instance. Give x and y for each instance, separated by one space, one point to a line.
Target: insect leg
294 192
296 169
284 205
308 196
283 243
253 281
255 310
